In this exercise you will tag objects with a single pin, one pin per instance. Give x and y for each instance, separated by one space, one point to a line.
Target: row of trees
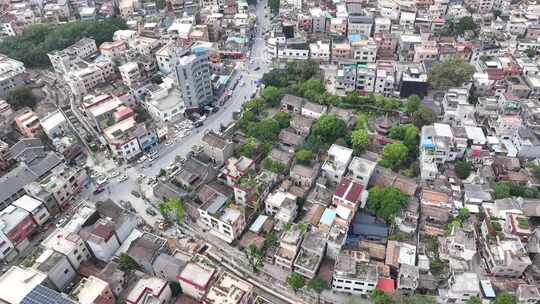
37 40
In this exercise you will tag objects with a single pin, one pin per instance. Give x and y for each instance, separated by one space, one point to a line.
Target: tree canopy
272 95
37 40
172 208
463 169
505 298
465 24
327 129
304 156
412 104
21 97
126 262
386 202
450 73
424 116
394 155
359 140
296 281
255 257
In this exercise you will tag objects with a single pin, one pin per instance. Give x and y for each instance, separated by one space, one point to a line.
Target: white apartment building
193 78
384 82
165 103
359 25
131 73
365 78
11 74
364 51
35 207
230 289
149 289
453 98
337 162
310 254
461 287
354 274
122 140
225 222
319 51
69 244
288 248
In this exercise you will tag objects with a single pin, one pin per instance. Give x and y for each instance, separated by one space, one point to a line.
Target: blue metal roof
43 295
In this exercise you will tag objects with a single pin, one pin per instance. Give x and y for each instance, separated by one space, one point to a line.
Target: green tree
463 214
273 166
248 148
505 298
317 285
327 129
255 257
465 24
386 202
359 140
266 129
283 119
474 300
379 297
255 105
32 46
311 89
296 281
272 95
174 207
408 134
162 172
530 52
176 289
21 97
436 266
126 262
304 156
412 104
463 169
424 116
450 73
394 155
502 189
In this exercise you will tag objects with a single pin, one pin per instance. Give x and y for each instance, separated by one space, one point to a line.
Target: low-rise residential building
57 267
217 147
35 207
20 282
228 289
310 254
149 289
224 219
68 244
288 248
337 162
355 274
17 225
196 279
11 74
93 290
461 287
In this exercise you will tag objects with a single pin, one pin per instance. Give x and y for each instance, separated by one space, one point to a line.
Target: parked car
101 180
151 211
98 190
122 178
135 193
114 174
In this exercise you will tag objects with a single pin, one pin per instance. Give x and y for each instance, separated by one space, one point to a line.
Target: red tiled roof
385 285
103 231
349 190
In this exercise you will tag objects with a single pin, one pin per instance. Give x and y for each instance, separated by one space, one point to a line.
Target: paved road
248 74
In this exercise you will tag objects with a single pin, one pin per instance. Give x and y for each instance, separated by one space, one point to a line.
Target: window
66 271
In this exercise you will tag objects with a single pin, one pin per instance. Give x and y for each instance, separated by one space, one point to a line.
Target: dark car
198 124
135 193
151 211
99 190
257 68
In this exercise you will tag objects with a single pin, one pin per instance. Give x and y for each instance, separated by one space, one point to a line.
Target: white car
101 180
114 174
122 178
141 159
141 176
168 143
153 157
